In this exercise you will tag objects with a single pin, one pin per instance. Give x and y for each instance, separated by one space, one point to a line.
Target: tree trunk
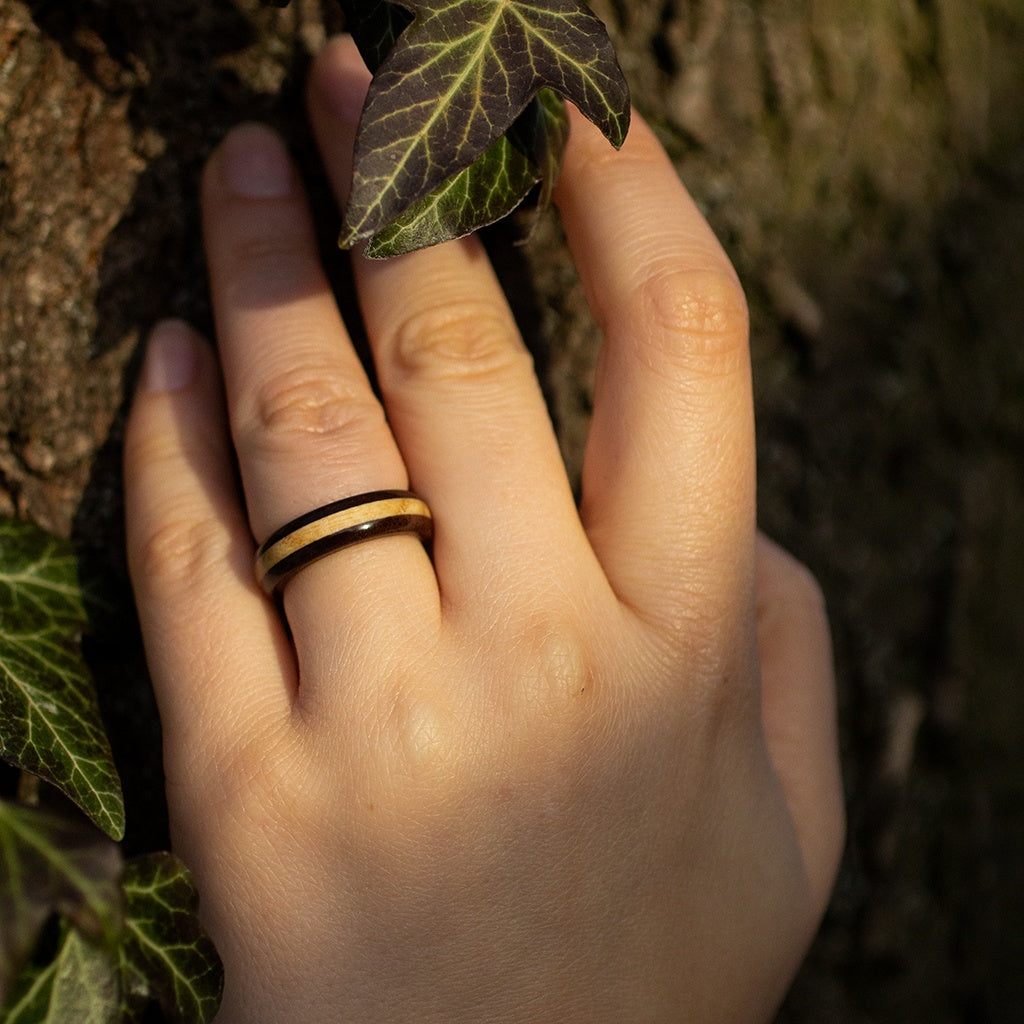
863 163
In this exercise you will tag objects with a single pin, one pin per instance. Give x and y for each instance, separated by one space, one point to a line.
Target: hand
570 765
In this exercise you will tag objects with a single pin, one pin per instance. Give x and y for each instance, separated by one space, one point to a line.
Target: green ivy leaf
456 80
544 131
52 862
134 933
79 984
49 720
165 953
375 25
489 189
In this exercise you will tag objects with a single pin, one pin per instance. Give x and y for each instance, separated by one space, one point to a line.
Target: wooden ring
338 525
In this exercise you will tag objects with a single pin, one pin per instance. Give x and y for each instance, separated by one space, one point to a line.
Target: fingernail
172 357
255 163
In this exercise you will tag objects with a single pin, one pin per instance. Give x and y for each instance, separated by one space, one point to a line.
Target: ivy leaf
130 931
165 954
489 189
455 81
375 25
79 984
52 862
544 129
49 720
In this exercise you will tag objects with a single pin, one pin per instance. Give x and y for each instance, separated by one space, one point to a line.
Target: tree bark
863 162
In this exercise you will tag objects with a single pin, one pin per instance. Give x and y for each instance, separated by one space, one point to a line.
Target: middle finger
462 396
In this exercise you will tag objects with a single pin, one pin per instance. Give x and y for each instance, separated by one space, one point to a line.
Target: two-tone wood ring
338 525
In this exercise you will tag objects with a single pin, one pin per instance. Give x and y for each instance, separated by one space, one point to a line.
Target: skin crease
569 765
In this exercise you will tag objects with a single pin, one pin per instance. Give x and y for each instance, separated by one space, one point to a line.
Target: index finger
668 478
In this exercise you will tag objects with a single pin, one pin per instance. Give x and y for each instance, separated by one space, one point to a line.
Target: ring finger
306 426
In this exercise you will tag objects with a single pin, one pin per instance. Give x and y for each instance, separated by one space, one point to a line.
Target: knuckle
147 448
697 317
546 686
555 668
305 402
261 248
181 552
273 238
418 733
456 342
698 645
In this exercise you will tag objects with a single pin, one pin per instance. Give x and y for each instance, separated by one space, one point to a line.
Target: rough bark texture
863 161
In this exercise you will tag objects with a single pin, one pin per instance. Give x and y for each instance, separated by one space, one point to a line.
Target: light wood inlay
337 522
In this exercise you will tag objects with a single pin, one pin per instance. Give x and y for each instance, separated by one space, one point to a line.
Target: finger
798 703
307 428
217 654
668 479
461 393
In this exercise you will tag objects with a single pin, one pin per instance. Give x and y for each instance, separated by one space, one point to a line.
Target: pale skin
570 764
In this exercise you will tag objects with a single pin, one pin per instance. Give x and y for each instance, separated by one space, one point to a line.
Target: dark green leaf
52 862
543 131
489 189
79 985
49 721
165 951
375 25
456 80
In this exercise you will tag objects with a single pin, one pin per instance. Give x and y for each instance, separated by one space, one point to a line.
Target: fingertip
335 93
587 144
339 79
252 162
172 358
177 397
172 390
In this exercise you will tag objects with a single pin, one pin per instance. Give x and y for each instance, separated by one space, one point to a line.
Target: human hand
571 765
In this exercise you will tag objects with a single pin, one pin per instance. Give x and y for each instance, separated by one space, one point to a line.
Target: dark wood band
338 525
